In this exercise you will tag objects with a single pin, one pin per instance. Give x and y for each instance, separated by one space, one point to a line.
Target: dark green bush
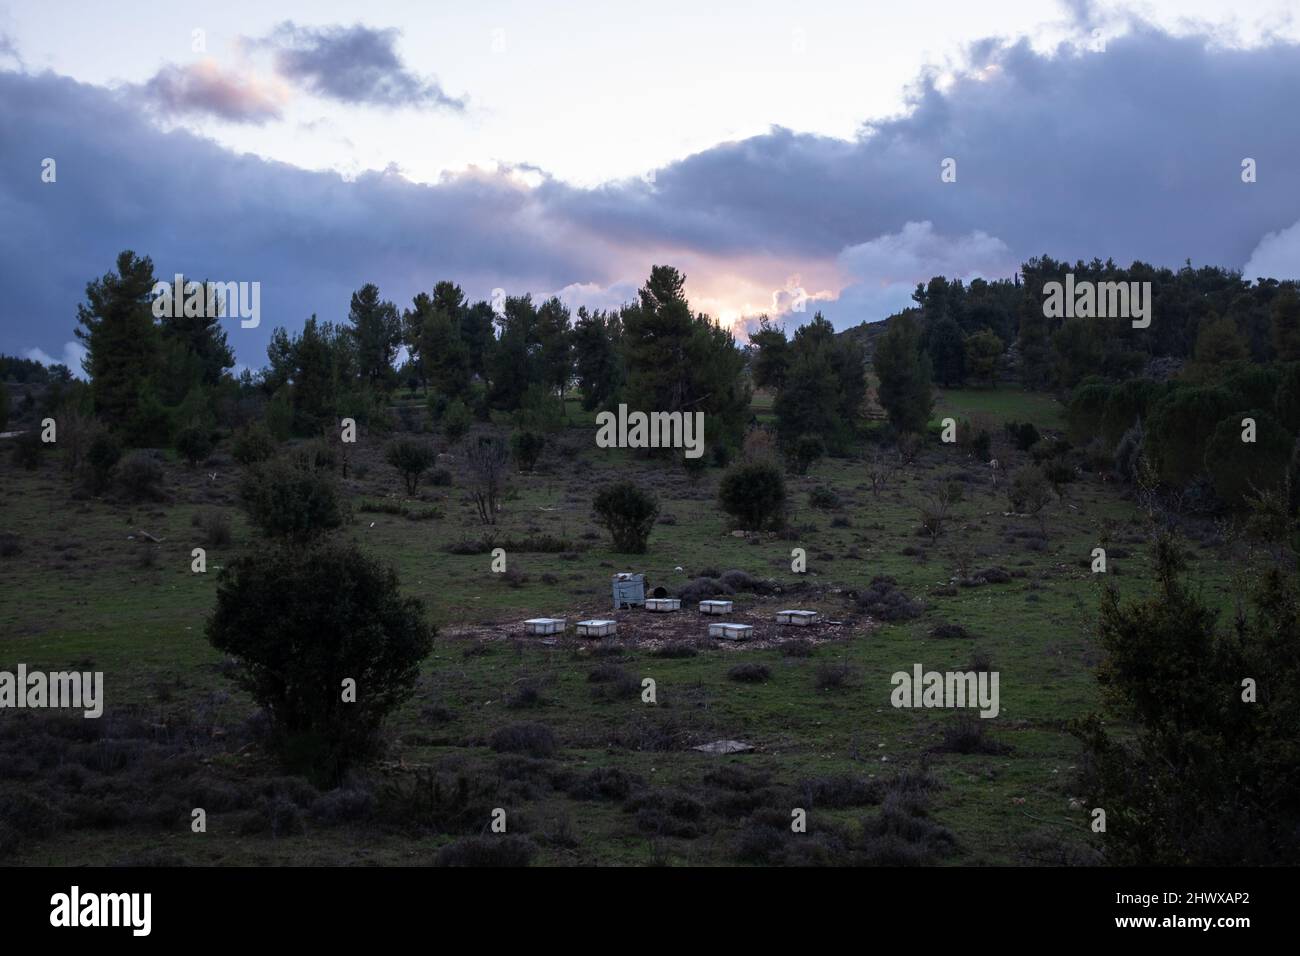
527 448
753 493
301 622
286 500
628 513
412 459
252 444
140 476
194 444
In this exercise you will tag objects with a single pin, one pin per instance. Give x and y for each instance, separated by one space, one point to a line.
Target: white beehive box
731 632
544 625
663 604
715 607
797 618
597 628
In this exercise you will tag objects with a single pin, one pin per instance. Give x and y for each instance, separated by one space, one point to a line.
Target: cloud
1130 153
355 64
1277 256
204 88
309 237
73 353
886 270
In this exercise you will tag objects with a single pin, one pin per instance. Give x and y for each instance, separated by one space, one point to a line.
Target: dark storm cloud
1130 153
353 64
310 238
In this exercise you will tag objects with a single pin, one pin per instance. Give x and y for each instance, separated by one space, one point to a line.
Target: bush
628 514
506 849
288 501
750 673
1204 779
805 450
1023 435
194 444
754 494
1128 453
1029 491
527 448
252 444
885 600
140 477
1178 428
1239 468
456 421
215 526
412 459
27 450
300 622
101 458
824 498
1085 411
536 740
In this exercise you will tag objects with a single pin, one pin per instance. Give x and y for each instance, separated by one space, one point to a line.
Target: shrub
1128 453
1029 491
1178 428
252 444
1238 468
300 622
215 526
885 600
194 444
101 458
1085 411
27 449
506 849
1023 435
754 494
536 740
750 673
1189 749
456 421
833 676
803 451
412 459
824 498
527 448
485 465
291 502
628 513
140 475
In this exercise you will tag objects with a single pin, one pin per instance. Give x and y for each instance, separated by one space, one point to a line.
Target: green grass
78 595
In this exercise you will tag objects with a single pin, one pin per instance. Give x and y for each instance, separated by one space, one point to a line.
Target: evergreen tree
121 341
376 327
597 341
905 375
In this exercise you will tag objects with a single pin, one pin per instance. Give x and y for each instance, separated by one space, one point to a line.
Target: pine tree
121 339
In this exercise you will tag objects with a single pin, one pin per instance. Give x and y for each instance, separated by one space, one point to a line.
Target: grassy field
616 782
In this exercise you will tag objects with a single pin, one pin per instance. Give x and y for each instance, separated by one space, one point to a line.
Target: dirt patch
649 630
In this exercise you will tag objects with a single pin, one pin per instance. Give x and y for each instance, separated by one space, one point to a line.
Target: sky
786 157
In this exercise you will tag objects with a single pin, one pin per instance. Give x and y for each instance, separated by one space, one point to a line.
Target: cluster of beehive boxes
629 590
